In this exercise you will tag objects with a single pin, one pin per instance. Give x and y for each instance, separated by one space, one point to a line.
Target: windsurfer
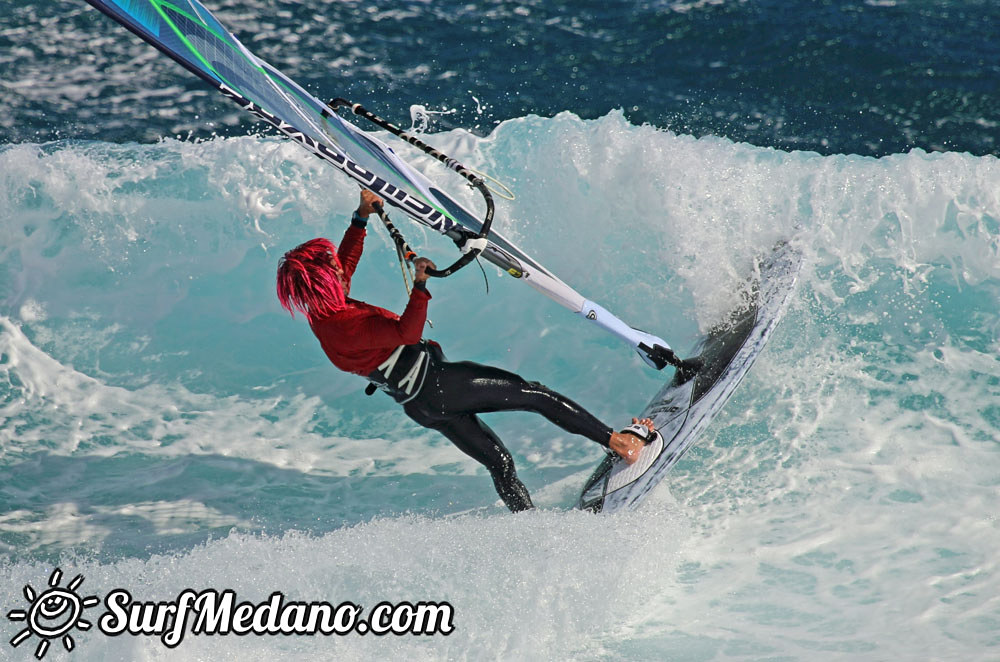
315 279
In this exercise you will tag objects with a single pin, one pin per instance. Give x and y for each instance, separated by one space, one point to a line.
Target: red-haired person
315 279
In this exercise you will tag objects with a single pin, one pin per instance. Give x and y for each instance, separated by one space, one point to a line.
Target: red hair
307 281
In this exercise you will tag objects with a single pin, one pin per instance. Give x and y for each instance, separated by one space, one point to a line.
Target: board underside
683 408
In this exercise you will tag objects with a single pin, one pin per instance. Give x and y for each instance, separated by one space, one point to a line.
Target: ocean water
164 424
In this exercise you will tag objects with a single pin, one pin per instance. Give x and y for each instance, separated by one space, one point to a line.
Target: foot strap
639 430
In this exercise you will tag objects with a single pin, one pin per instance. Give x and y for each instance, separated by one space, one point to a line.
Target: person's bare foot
628 445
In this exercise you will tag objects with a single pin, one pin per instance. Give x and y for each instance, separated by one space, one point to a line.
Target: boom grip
483 232
451 163
402 247
458 264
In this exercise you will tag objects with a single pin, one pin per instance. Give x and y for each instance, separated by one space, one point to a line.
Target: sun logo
53 613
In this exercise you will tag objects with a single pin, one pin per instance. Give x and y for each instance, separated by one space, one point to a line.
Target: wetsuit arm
353 244
387 332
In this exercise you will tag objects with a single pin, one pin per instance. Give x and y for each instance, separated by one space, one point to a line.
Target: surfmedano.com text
211 612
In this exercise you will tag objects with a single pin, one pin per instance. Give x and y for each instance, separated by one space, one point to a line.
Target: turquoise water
165 425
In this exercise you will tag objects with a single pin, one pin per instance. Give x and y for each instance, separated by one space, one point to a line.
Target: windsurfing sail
189 33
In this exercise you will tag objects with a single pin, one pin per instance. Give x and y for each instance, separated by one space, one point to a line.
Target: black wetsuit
449 396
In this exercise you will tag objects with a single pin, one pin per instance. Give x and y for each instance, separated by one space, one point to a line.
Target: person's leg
465 388
478 441
453 393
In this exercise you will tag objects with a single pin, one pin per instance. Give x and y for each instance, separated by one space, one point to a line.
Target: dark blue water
872 78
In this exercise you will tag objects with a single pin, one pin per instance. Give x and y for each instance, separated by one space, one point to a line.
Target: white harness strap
409 386
410 380
390 363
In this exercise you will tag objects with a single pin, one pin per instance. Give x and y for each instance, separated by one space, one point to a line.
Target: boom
189 33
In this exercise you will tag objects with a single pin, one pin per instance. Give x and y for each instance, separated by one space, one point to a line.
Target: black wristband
422 286
358 220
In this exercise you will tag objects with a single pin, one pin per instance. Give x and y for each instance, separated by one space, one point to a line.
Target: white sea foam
521 587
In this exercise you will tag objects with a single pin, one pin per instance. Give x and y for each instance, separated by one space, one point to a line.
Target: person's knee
502 464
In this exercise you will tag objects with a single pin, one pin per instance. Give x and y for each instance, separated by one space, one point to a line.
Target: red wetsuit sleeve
375 332
351 247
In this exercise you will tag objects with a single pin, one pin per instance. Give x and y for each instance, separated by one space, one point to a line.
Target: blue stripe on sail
191 34
142 12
